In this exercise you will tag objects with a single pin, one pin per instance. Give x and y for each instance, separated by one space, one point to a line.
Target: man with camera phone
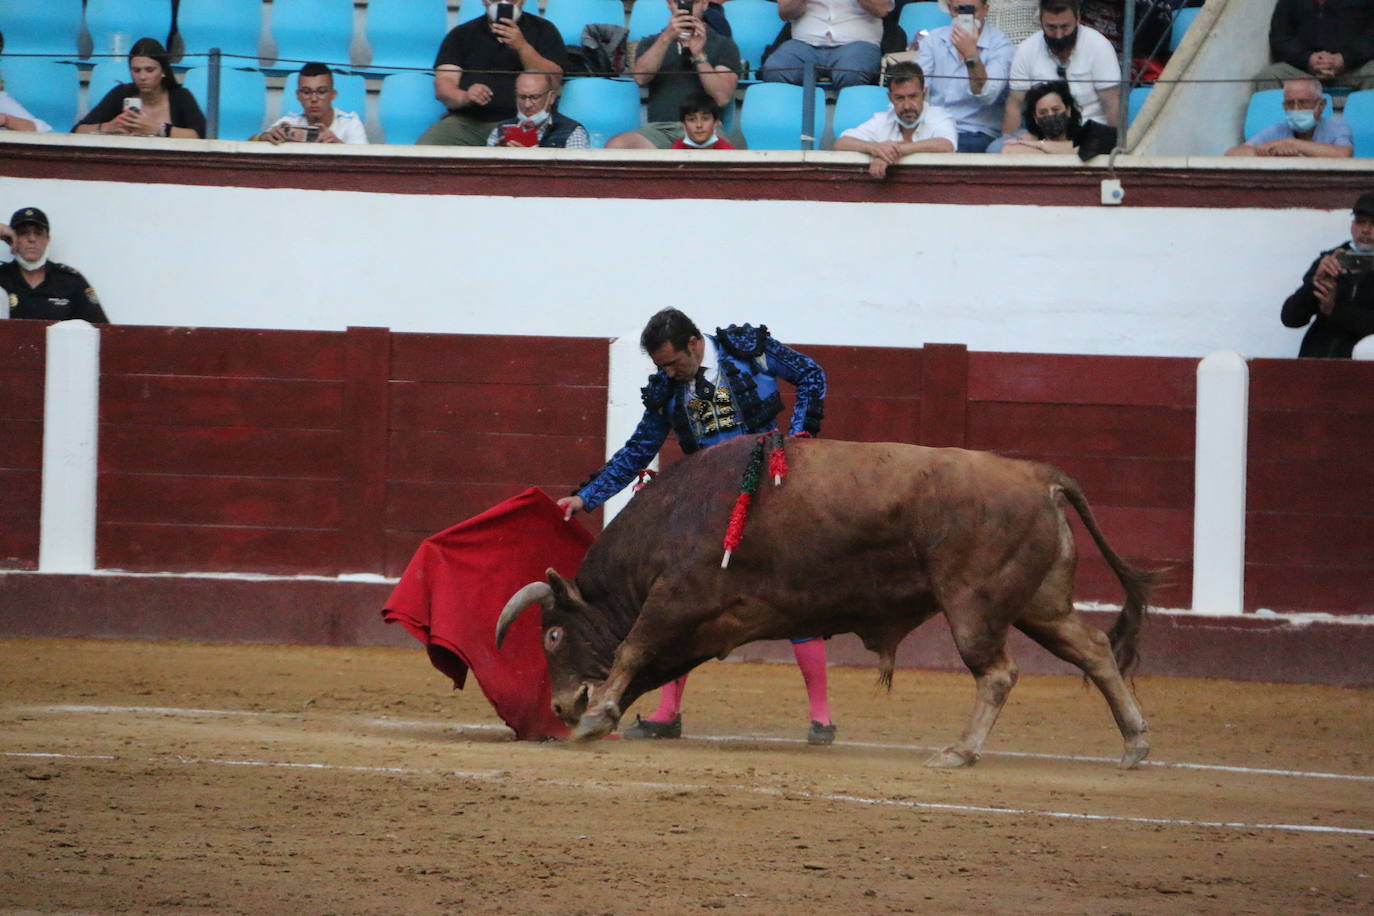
1337 293
966 65
475 70
686 59
318 121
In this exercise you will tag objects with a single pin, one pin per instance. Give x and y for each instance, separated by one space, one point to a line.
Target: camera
963 18
303 134
134 104
505 11
1353 262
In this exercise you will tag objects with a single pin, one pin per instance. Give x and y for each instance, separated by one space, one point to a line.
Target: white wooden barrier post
629 369
71 401
1223 400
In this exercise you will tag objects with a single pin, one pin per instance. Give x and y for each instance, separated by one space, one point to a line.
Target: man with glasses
536 123
1303 131
908 125
1066 50
318 121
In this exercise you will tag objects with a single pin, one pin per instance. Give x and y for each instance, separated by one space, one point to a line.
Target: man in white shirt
839 37
907 126
967 64
318 121
1066 50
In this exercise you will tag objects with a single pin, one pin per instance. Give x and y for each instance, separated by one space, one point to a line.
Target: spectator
1056 125
839 37
152 105
908 125
966 72
14 116
708 394
316 93
701 125
675 69
1076 54
1303 131
1332 40
476 67
536 123
39 288
1338 291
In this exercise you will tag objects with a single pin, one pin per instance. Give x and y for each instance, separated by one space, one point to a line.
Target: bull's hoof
1136 750
596 723
952 757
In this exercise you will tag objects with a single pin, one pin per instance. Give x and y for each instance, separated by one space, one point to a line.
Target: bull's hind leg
1075 641
983 647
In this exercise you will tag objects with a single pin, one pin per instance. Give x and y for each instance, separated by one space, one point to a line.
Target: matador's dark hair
668 326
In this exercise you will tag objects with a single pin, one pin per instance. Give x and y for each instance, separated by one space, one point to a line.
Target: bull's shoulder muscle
743 341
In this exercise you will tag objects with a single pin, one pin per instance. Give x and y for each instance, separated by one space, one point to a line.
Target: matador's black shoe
821 734
646 729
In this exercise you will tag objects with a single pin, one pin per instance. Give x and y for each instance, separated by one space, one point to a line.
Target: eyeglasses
1300 104
531 98
317 93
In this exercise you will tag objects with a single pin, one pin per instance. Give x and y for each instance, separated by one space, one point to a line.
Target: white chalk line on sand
504 774
724 739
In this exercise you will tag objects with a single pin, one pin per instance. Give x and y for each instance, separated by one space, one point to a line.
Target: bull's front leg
603 705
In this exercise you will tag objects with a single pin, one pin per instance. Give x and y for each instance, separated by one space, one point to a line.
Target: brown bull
866 538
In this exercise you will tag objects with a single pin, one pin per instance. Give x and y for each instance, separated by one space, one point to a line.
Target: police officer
39 288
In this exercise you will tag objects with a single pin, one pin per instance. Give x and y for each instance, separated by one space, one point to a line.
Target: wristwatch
970 61
700 60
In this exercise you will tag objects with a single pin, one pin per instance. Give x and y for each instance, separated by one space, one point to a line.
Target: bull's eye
552 638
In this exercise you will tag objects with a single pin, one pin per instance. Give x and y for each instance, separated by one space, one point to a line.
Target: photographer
1338 290
318 121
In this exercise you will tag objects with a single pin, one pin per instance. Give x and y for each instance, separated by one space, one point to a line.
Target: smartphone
505 11
134 104
685 6
963 18
308 134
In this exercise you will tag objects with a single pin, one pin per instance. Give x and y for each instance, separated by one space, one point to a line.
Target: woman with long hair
1054 124
152 104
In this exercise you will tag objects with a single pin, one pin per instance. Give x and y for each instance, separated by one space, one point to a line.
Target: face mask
694 145
1060 43
1301 121
491 13
908 125
1354 246
1053 125
539 117
31 265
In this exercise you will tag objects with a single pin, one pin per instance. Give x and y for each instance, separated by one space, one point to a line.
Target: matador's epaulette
657 393
743 341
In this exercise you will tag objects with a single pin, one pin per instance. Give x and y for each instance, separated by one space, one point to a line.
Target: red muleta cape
457 583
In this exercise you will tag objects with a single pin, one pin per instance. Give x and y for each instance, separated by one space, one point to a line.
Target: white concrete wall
1174 282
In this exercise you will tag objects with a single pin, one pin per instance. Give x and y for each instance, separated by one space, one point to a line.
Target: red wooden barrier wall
21 440
324 452
1309 534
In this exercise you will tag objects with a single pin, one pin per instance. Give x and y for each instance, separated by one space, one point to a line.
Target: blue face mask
1301 121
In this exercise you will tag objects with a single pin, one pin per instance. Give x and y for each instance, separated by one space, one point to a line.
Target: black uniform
63 294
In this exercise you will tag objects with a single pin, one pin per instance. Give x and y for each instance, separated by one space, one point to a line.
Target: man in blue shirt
966 65
1303 131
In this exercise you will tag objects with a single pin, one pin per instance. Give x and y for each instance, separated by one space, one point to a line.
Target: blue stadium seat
569 16
1136 101
407 106
1359 114
648 18
469 10
922 17
771 116
604 106
233 26
47 88
105 75
352 96
755 25
307 30
242 100
855 105
405 33
1182 20
49 27
134 18
1266 108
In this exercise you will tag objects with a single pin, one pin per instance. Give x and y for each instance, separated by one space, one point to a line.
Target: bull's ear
564 590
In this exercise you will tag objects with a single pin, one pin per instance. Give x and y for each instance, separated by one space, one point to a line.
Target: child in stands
701 121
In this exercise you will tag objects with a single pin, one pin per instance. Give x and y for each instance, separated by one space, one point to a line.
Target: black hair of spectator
315 68
906 70
698 103
151 47
668 326
1038 92
1060 6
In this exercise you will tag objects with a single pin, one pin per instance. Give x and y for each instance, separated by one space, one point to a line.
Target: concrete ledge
322 611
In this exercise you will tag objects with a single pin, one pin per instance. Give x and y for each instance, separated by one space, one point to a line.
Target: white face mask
539 117
908 125
30 265
491 13
710 141
1354 246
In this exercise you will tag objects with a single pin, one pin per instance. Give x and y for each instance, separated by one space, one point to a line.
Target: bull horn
535 591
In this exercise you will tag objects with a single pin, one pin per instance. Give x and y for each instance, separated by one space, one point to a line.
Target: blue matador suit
744 400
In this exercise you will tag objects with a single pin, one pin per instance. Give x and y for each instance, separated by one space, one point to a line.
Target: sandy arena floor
164 777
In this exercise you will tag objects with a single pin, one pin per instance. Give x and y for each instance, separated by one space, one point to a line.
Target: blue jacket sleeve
808 377
635 454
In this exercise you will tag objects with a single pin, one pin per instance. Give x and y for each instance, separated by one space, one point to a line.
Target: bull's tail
1138 583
